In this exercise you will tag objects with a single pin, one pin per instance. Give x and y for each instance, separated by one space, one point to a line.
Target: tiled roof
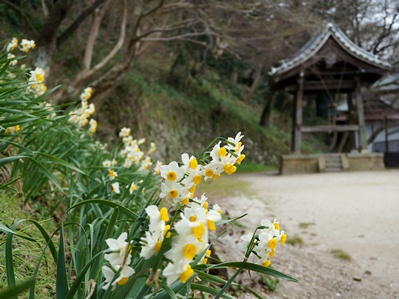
387 84
317 42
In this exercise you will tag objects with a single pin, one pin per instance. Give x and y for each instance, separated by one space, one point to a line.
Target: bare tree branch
90 72
152 10
174 27
75 25
385 33
183 36
91 40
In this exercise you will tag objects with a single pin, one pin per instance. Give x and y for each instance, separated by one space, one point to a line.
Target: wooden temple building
328 67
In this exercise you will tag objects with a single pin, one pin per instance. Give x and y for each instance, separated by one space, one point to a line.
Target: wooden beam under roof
329 129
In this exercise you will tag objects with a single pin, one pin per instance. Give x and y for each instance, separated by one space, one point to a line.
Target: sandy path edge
354 212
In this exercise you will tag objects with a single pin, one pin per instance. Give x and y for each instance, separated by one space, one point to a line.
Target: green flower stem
228 283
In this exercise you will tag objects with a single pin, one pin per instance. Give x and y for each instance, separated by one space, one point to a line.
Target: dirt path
357 213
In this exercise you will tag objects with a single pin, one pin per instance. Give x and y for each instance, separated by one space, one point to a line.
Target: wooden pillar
297 118
386 134
360 118
352 119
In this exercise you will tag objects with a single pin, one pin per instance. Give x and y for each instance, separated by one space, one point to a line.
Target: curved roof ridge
344 40
318 41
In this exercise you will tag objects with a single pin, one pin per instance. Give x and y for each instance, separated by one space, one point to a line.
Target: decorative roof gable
317 42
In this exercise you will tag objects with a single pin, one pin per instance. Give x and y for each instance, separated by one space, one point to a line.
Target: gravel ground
356 213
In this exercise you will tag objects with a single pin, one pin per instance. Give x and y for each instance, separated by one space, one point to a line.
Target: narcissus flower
12 130
173 190
184 248
151 244
125 132
158 218
120 251
86 94
123 277
12 44
145 164
107 163
112 174
157 230
115 188
172 172
37 76
133 187
152 149
157 168
11 57
93 126
264 243
26 45
119 259
178 270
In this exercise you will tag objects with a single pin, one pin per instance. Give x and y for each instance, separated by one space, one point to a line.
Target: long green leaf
17 289
210 290
47 173
7 160
61 283
169 291
176 287
254 267
10 263
59 161
45 235
75 286
6 186
7 230
9 255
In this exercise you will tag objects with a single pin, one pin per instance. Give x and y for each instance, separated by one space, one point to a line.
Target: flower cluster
180 241
192 238
190 229
157 231
12 130
132 152
37 76
81 115
263 244
119 258
180 181
132 155
24 46
36 81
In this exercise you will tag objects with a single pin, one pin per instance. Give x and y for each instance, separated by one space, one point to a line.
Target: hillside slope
186 119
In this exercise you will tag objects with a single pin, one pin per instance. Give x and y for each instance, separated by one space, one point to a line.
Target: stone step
333 163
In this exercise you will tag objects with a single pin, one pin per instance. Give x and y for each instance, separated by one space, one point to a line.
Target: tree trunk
234 76
254 85
267 111
47 37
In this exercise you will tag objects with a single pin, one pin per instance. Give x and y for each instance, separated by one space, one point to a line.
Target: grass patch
294 241
339 253
270 282
26 254
250 168
223 187
305 225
